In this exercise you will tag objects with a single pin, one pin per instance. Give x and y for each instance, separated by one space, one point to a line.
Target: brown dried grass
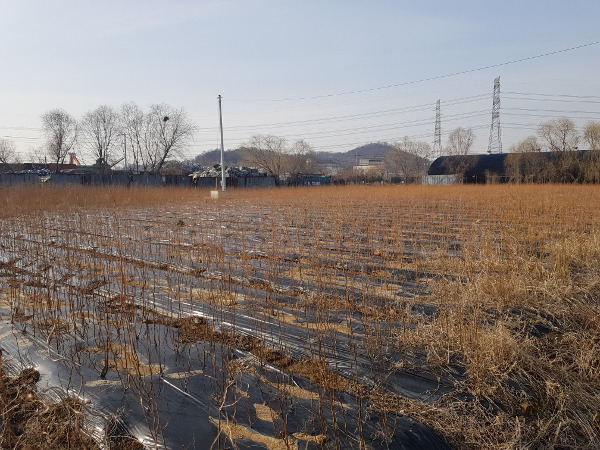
508 259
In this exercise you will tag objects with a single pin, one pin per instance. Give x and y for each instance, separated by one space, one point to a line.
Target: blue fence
131 179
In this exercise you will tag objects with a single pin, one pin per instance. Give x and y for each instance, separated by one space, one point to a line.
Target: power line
560 111
381 113
551 100
547 116
554 95
422 80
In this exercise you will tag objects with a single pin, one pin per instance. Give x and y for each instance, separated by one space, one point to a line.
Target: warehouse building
579 166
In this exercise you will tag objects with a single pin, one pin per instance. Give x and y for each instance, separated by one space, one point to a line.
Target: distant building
374 161
310 180
372 164
438 179
473 168
330 168
579 166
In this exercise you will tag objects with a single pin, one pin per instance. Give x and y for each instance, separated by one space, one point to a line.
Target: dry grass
497 284
29 422
17 200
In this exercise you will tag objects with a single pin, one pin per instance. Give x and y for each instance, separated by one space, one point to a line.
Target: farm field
323 317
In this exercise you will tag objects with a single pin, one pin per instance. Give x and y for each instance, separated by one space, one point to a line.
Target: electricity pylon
495 145
437 139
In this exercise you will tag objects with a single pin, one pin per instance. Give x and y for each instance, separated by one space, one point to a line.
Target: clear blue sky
336 73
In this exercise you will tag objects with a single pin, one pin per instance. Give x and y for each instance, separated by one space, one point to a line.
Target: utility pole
495 145
125 150
223 187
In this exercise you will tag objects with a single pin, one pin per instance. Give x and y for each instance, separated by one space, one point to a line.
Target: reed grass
508 274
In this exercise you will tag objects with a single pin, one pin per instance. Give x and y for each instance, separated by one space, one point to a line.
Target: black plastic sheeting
185 405
180 395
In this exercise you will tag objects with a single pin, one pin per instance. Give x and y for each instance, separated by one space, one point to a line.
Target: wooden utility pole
125 150
223 187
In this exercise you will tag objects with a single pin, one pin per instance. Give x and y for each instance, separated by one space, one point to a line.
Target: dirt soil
30 422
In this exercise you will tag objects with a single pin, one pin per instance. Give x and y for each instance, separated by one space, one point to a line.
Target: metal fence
133 179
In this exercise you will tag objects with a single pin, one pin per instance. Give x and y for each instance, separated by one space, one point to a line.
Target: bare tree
273 155
560 134
132 124
528 145
8 153
591 167
408 159
155 136
300 159
266 152
102 127
524 163
61 134
38 155
458 146
460 141
170 131
591 135
561 138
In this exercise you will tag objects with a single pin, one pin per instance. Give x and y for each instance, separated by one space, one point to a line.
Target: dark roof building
476 167
579 166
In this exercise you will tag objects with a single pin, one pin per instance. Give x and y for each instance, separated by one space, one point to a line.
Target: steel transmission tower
437 139
495 145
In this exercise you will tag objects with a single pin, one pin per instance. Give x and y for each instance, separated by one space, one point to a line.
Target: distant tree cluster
550 156
458 145
146 138
408 159
151 140
403 161
526 164
8 154
61 132
354 175
276 157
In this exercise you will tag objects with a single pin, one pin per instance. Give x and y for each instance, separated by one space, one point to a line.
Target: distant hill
343 159
373 149
212 157
349 158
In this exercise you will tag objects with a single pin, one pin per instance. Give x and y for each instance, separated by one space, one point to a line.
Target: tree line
408 160
144 140
552 155
276 156
148 139
565 164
